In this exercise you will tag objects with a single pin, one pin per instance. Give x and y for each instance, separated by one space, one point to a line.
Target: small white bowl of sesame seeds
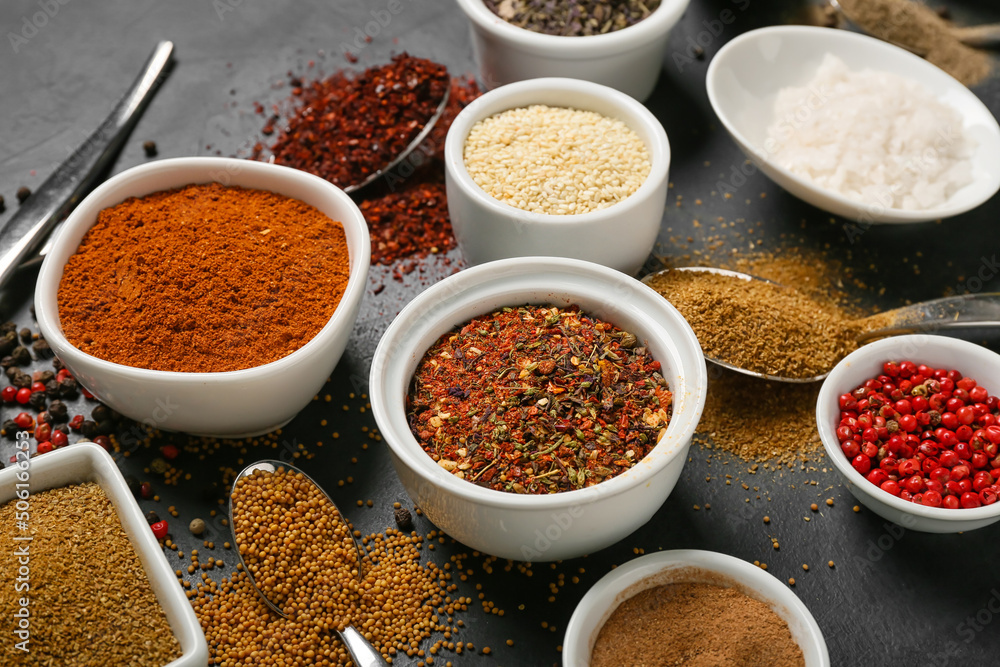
557 167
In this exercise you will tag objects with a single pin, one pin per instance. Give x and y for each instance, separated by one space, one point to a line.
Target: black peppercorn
38 400
68 388
149 147
21 356
41 349
133 485
58 364
3 204
10 370
52 389
46 376
9 428
106 427
403 519
88 428
7 343
22 194
7 327
20 379
152 517
62 428
25 335
100 413
59 411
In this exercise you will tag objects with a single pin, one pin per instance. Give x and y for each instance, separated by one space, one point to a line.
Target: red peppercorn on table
882 595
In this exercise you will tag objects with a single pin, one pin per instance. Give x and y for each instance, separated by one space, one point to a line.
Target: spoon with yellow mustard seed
760 328
298 551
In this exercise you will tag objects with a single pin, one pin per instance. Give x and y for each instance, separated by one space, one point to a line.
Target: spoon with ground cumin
760 328
300 554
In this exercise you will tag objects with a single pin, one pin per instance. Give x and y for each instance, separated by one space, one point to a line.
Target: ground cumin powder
759 326
695 625
204 278
91 603
920 28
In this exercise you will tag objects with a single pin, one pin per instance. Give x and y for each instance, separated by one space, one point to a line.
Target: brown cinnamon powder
695 625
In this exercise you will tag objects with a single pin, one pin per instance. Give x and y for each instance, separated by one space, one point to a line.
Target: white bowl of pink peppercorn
546 526
628 59
932 465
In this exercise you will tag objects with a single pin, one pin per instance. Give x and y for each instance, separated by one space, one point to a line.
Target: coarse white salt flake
874 137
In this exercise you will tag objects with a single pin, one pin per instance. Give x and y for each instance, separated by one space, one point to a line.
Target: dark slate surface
896 597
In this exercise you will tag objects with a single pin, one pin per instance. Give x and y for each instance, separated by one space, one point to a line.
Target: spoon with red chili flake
353 129
833 334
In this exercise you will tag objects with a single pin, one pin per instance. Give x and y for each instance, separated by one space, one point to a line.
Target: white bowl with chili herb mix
563 484
557 167
212 296
623 48
915 439
653 617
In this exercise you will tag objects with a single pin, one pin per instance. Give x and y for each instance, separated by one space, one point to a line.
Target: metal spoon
363 653
62 191
410 147
982 36
966 311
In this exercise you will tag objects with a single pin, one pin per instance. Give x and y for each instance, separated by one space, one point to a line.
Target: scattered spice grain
695 624
248 272
23 193
538 400
555 160
90 596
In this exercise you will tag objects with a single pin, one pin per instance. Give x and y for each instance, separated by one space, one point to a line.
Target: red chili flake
347 127
538 400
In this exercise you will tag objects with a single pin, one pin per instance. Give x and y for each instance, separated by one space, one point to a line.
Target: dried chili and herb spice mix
538 399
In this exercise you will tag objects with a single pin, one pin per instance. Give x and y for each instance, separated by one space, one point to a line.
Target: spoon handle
966 311
61 191
363 654
983 36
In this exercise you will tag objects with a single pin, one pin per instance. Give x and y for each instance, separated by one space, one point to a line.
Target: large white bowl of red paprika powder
550 526
234 403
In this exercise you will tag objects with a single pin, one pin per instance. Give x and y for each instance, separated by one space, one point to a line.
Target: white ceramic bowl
560 525
235 403
628 59
687 566
746 74
87 462
866 362
620 236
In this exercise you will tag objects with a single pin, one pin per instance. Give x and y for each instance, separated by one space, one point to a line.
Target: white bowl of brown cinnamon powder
692 607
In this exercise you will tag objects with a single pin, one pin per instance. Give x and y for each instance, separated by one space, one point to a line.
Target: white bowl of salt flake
901 162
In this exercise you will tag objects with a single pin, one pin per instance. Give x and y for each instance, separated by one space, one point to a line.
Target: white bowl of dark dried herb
227 308
533 477
557 167
616 44
91 568
678 605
